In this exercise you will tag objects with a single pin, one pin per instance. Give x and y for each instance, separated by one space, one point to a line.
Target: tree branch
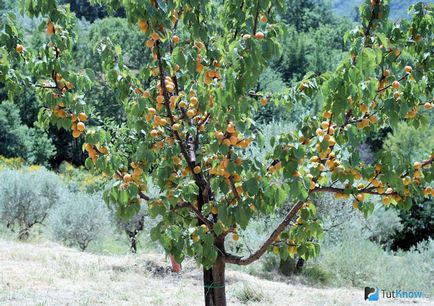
370 190
229 258
196 211
255 25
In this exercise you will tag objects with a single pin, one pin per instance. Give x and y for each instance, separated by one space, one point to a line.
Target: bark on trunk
207 287
133 244
287 267
214 283
176 267
300 265
133 241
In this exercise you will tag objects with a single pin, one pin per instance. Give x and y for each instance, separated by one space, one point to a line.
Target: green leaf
90 74
251 186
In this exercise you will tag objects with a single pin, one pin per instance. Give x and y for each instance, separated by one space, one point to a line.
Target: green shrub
358 262
318 274
80 220
247 294
409 143
13 135
78 179
18 140
417 224
13 163
26 198
342 221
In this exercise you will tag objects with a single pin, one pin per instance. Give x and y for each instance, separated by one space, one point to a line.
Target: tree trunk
133 244
287 267
214 283
300 265
176 267
132 237
291 266
207 286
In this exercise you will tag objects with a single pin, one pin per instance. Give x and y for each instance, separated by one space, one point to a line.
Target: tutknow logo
373 294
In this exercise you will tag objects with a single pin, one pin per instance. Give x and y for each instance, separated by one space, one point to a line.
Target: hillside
398 8
49 274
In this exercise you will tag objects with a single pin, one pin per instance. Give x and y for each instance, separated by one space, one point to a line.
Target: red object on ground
176 267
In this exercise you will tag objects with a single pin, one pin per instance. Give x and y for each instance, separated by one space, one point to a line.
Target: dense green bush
358 262
80 219
417 225
408 143
18 140
26 198
106 33
83 9
13 135
307 14
398 8
78 179
341 222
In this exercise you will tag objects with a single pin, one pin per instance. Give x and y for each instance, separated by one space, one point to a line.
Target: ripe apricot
81 127
82 117
19 48
396 84
259 35
197 170
230 128
50 28
76 133
191 113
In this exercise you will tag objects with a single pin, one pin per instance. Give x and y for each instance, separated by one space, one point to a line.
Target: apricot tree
190 120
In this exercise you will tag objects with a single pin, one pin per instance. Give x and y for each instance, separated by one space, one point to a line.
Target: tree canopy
190 110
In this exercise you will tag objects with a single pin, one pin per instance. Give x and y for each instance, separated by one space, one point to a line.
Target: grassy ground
49 274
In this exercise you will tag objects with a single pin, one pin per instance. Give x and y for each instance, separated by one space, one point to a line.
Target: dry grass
49 274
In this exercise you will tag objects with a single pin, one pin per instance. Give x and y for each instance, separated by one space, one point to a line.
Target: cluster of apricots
61 84
131 178
195 236
78 124
275 167
95 151
326 132
258 35
230 138
291 245
221 168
